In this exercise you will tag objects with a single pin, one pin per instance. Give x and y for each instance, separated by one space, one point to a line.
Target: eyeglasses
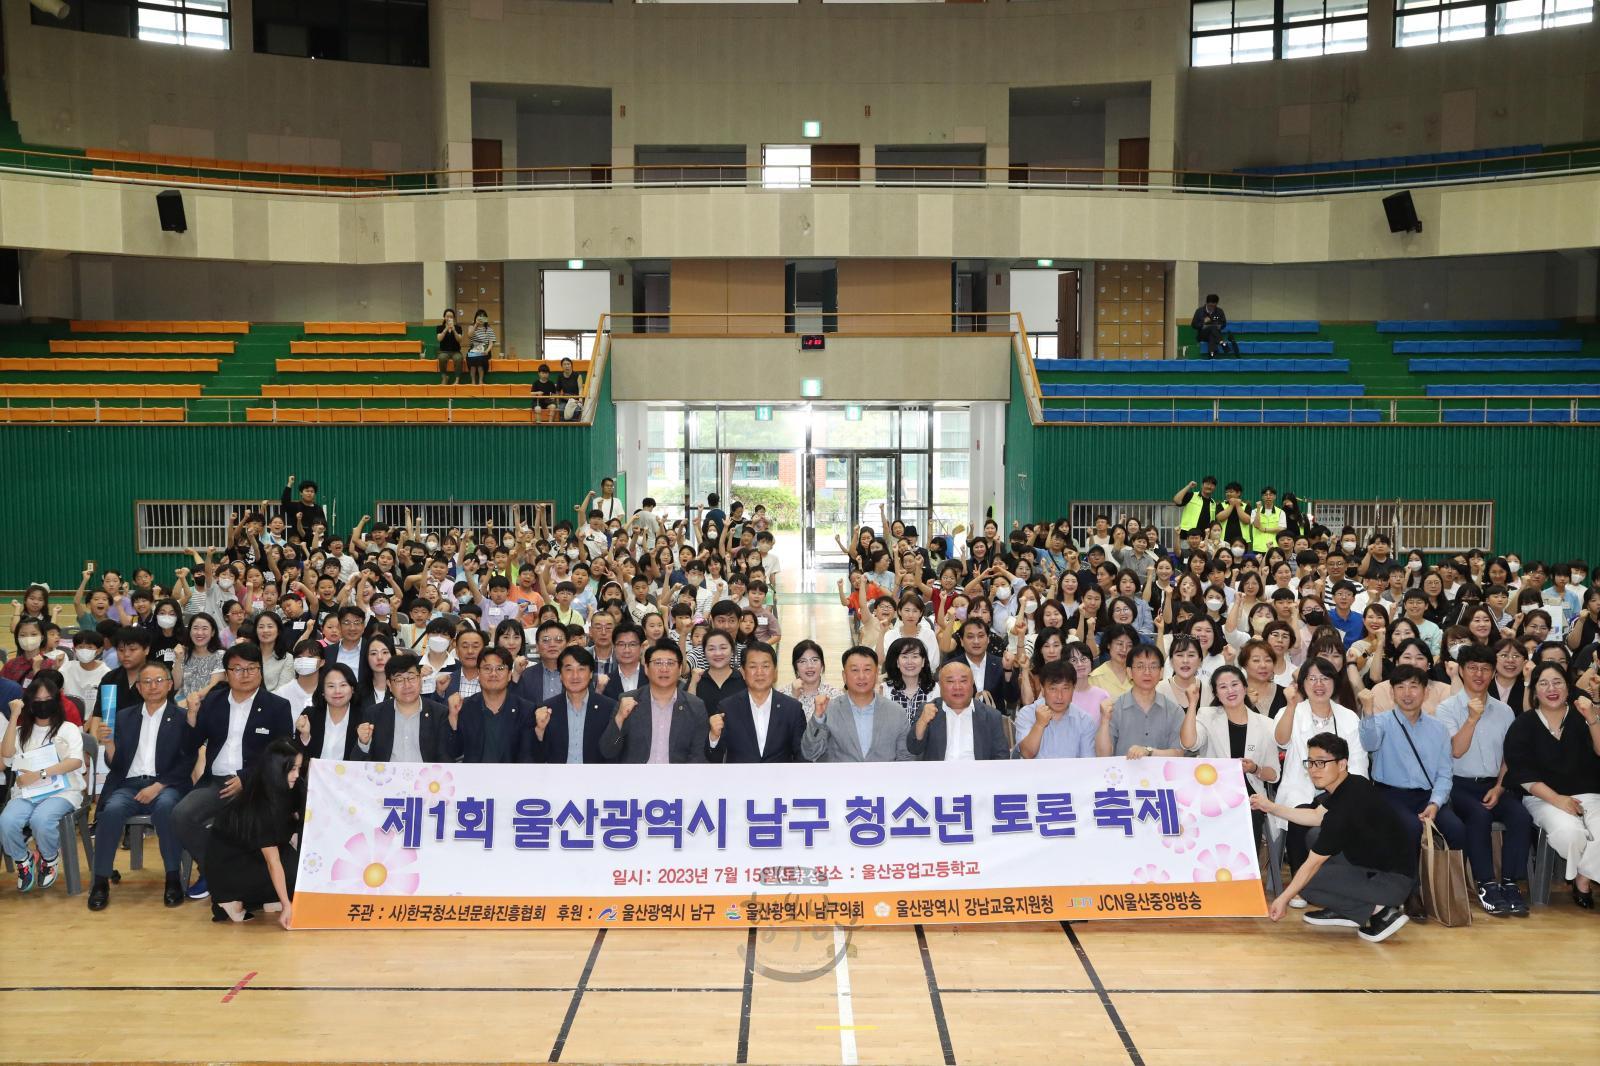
154 681
404 679
246 668
1317 764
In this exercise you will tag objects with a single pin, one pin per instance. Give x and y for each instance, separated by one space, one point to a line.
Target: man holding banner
954 727
860 726
757 724
493 724
1360 870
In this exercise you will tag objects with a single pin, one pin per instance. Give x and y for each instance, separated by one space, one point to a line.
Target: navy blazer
318 717
553 748
1005 693
785 726
174 752
269 720
330 655
430 731
988 735
465 742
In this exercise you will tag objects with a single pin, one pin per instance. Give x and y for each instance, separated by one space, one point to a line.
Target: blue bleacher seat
1564 345
1467 325
1552 414
1450 415
1503 366
1284 417
1502 391
1193 366
1226 415
1286 347
1204 414
1257 325
1589 414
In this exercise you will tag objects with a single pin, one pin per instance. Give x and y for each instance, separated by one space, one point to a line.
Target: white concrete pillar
1183 296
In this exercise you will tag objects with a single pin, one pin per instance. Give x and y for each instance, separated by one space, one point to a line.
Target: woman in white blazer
1228 729
1296 724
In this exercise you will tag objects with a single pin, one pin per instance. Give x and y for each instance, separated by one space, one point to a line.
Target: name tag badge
761 620
261 729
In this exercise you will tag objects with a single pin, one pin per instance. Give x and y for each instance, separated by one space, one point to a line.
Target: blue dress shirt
1393 764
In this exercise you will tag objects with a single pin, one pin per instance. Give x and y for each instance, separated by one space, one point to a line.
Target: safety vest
1191 512
1263 539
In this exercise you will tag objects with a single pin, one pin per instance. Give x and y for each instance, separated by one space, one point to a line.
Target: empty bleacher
1221 415
1468 325
119 347
1552 345
1282 392
1503 366
358 329
1194 366
153 326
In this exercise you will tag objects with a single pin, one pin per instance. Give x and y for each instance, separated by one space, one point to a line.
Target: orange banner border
1218 899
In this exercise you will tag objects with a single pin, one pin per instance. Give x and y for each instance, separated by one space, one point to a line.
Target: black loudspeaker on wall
169 204
1402 213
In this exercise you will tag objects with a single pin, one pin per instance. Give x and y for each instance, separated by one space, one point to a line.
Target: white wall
1507 286
575 299
131 287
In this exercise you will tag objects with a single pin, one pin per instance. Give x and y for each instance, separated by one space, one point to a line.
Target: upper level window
1251 31
359 31
1434 21
197 23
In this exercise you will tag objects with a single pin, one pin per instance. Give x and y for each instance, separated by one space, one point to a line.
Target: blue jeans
114 814
44 815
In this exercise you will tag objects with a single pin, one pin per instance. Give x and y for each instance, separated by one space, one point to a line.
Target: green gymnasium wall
71 490
1544 480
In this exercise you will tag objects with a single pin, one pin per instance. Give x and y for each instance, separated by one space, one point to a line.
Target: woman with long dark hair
45 754
251 859
908 675
327 728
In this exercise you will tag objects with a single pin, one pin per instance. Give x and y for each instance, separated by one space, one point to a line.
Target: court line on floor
577 997
847 1007
730 990
746 994
933 996
1105 997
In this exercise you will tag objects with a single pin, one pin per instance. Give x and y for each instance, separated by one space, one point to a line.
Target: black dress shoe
100 894
1583 899
173 896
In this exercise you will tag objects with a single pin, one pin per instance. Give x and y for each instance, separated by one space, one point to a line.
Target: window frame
181 10
1493 19
1278 26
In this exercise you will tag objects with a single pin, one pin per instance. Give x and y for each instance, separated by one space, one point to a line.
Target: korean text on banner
556 846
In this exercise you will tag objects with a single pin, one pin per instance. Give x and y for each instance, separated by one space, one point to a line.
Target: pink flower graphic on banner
1223 863
436 783
1149 873
379 773
1200 784
374 862
1188 834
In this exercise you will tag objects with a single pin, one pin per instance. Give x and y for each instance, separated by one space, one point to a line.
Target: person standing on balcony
480 349
449 336
1209 322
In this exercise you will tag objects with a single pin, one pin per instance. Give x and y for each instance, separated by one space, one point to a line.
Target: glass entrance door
844 491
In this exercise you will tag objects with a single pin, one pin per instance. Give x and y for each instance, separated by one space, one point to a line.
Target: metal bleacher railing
142 168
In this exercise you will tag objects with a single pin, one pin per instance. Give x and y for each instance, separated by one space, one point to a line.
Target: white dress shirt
333 737
144 756
762 713
230 760
979 669
958 736
351 657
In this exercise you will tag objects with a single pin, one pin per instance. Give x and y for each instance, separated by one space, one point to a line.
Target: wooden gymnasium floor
141 984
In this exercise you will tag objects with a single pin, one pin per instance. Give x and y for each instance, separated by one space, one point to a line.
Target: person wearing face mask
438 654
299 690
83 674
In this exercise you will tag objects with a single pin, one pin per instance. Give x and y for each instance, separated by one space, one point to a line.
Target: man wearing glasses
408 726
150 759
493 724
234 724
1360 870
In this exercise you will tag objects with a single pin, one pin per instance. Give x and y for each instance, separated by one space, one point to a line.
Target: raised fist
716 726
364 732
625 708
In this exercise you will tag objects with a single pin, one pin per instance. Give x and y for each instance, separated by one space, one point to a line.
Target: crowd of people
1372 696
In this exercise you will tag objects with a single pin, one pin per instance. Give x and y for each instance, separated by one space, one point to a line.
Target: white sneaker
1298 904
48 872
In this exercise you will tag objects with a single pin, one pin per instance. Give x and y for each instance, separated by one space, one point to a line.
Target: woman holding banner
251 859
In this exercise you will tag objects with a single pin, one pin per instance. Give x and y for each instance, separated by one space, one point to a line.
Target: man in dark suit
758 724
670 727
150 759
352 646
235 723
567 728
492 725
955 727
993 676
626 671
408 726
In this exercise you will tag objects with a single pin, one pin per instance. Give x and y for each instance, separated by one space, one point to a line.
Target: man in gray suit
860 726
659 723
954 727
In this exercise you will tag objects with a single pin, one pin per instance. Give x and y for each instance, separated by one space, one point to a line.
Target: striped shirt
482 337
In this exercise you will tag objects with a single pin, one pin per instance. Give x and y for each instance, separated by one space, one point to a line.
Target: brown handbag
1442 877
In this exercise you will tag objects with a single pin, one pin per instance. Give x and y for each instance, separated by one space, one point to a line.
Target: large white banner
389 844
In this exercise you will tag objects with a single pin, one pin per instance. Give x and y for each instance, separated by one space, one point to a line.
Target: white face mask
1215 605
85 655
432 545
28 643
1414 564
1576 577
307 666
1349 545
1002 592
224 583
438 643
1513 565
